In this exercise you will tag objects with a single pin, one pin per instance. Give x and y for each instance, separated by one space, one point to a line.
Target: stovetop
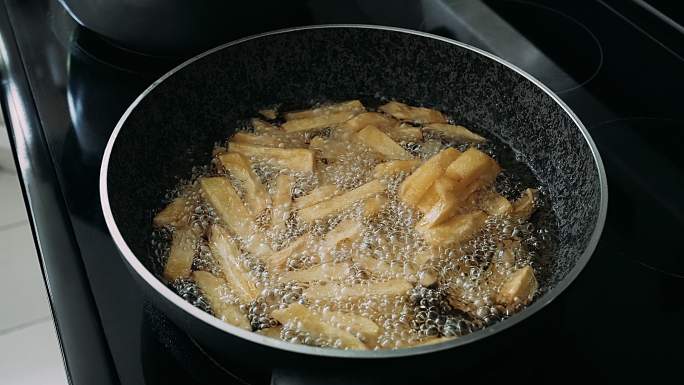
618 64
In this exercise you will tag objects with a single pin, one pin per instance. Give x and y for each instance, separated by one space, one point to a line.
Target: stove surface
619 66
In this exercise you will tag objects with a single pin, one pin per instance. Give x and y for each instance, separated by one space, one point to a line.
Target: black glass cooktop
618 64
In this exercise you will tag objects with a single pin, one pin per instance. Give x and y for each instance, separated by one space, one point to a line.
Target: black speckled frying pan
173 125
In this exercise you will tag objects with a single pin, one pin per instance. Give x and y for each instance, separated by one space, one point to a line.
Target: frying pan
173 125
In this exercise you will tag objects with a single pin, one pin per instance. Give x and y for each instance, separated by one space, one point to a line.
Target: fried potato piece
472 170
457 301
519 287
181 254
348 106
405 133
282 200
211 287
420 115
392 287
278 259
454 231
172 214
328 149
239 166
260 140
318 122
225 200
317 195
353 322
446 205
226 252
295 159
454 132
373 205
322 272
382 268
424 256
524 206
417 184
262 127
387 169
313 324
361 121
269 113
273 332
347 230
341 202
379 142
496 204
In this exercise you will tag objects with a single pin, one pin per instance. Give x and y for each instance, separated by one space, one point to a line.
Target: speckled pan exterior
174 126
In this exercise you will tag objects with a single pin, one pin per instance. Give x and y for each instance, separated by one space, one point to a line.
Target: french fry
414 114
348 229
256 196
524 206
227 312
350 105
424 256
282 200
373 205
454 231
317 195
181 254
379 142
312 323
382 268
365 119
269 113
353 322
387 169
226 251
322 272
341 202
295 159
173 214
328 149
457 301
261 140
262 127
472 170
496 204
519 287
417 184
405 133
317 122
337 291
225 200
277 260
454 132
446 205
273 332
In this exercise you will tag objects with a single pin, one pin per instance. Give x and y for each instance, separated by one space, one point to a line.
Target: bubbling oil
389 237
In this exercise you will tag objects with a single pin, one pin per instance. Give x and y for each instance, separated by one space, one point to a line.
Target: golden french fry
405 133
211 287
317 195
519 287
256 196
379 142
373 205
447 203
269 113
454 231
361 121
312 323
277 260
353 322
341 202
337 291
328 149
387 169
455 132
261 140
225 200
472 170
322 272
273 332
181 254
226 252
173 214
496 204
348 106
262 127
417 184
382 268
524 206
317 122
348 229
295 159
414 114
282 200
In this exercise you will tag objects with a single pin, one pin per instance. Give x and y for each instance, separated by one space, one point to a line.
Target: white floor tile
23 296
31 356
12 208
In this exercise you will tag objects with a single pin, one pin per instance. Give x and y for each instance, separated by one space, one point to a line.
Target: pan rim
210 320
